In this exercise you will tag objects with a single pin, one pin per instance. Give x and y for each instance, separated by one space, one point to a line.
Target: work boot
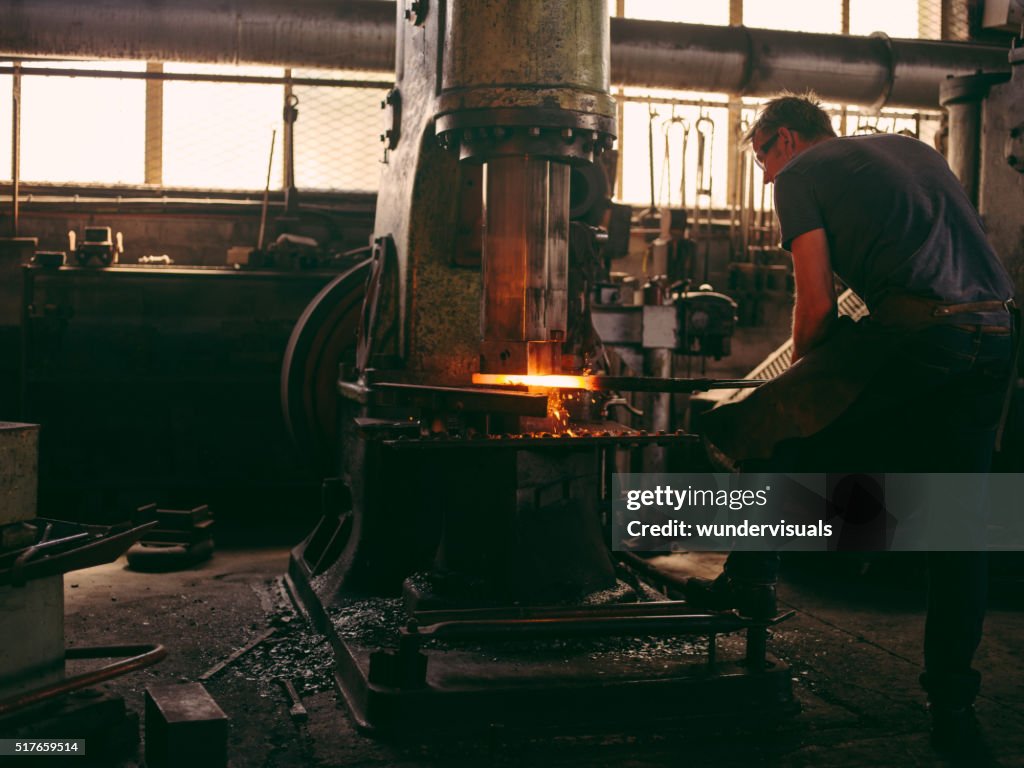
748 599
957 736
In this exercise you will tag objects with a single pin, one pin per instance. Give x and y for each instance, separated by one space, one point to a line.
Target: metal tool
296 710
236 655
266 193
666 169
651 115
704 127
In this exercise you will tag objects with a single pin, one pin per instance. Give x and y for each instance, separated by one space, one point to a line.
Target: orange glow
553 381
559 412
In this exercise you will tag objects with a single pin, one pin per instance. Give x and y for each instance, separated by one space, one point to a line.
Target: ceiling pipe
360 35
323 34
875 71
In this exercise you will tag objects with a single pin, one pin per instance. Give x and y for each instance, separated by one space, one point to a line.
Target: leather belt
1011 386
914 311
947 310
993 330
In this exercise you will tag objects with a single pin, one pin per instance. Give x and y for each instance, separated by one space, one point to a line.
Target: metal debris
237 654
296 710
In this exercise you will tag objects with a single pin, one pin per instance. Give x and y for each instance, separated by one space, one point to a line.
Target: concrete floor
853 649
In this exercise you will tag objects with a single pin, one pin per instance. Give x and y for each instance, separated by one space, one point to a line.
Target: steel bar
465 398
85 553
656 608
139 656
236 655
697 624
266 193
661 384
187 77
19 557
541 441
618 383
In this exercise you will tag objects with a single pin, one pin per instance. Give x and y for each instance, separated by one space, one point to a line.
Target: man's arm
815 307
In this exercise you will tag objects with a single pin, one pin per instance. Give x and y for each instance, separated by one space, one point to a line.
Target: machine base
570 684
471 691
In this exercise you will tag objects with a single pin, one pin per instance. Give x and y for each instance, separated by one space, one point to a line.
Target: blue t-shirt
898 222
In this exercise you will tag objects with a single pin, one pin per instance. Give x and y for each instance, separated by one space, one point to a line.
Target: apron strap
1015 320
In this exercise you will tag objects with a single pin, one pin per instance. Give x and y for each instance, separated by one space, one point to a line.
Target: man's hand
815 307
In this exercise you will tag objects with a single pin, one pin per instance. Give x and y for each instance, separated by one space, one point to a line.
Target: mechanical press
462 568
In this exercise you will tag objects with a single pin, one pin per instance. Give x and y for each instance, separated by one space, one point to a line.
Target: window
218 135
797 16
704 12
896 18
81 129
337 144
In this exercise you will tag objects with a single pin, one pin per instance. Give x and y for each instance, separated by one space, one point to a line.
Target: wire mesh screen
221 133
218 135
895 18
337 134
673 150
929 19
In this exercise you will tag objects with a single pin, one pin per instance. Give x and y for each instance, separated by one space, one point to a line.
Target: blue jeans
934 408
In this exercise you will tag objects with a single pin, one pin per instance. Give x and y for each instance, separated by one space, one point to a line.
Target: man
918 387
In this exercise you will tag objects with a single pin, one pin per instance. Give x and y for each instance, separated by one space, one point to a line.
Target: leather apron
822 385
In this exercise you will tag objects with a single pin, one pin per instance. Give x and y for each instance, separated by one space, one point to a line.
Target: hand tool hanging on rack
651 115
737 204
764 218
751 180
666 168
289 116
266 193
705 131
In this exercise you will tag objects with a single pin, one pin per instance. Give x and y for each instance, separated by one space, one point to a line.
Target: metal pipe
360 34
962 98
872 70
355 34
138 657
660 384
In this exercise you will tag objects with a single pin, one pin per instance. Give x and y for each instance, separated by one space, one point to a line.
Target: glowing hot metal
623 383
551 381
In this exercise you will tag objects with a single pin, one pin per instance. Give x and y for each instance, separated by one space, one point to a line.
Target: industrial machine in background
97 243
35 676
462 569
160 383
